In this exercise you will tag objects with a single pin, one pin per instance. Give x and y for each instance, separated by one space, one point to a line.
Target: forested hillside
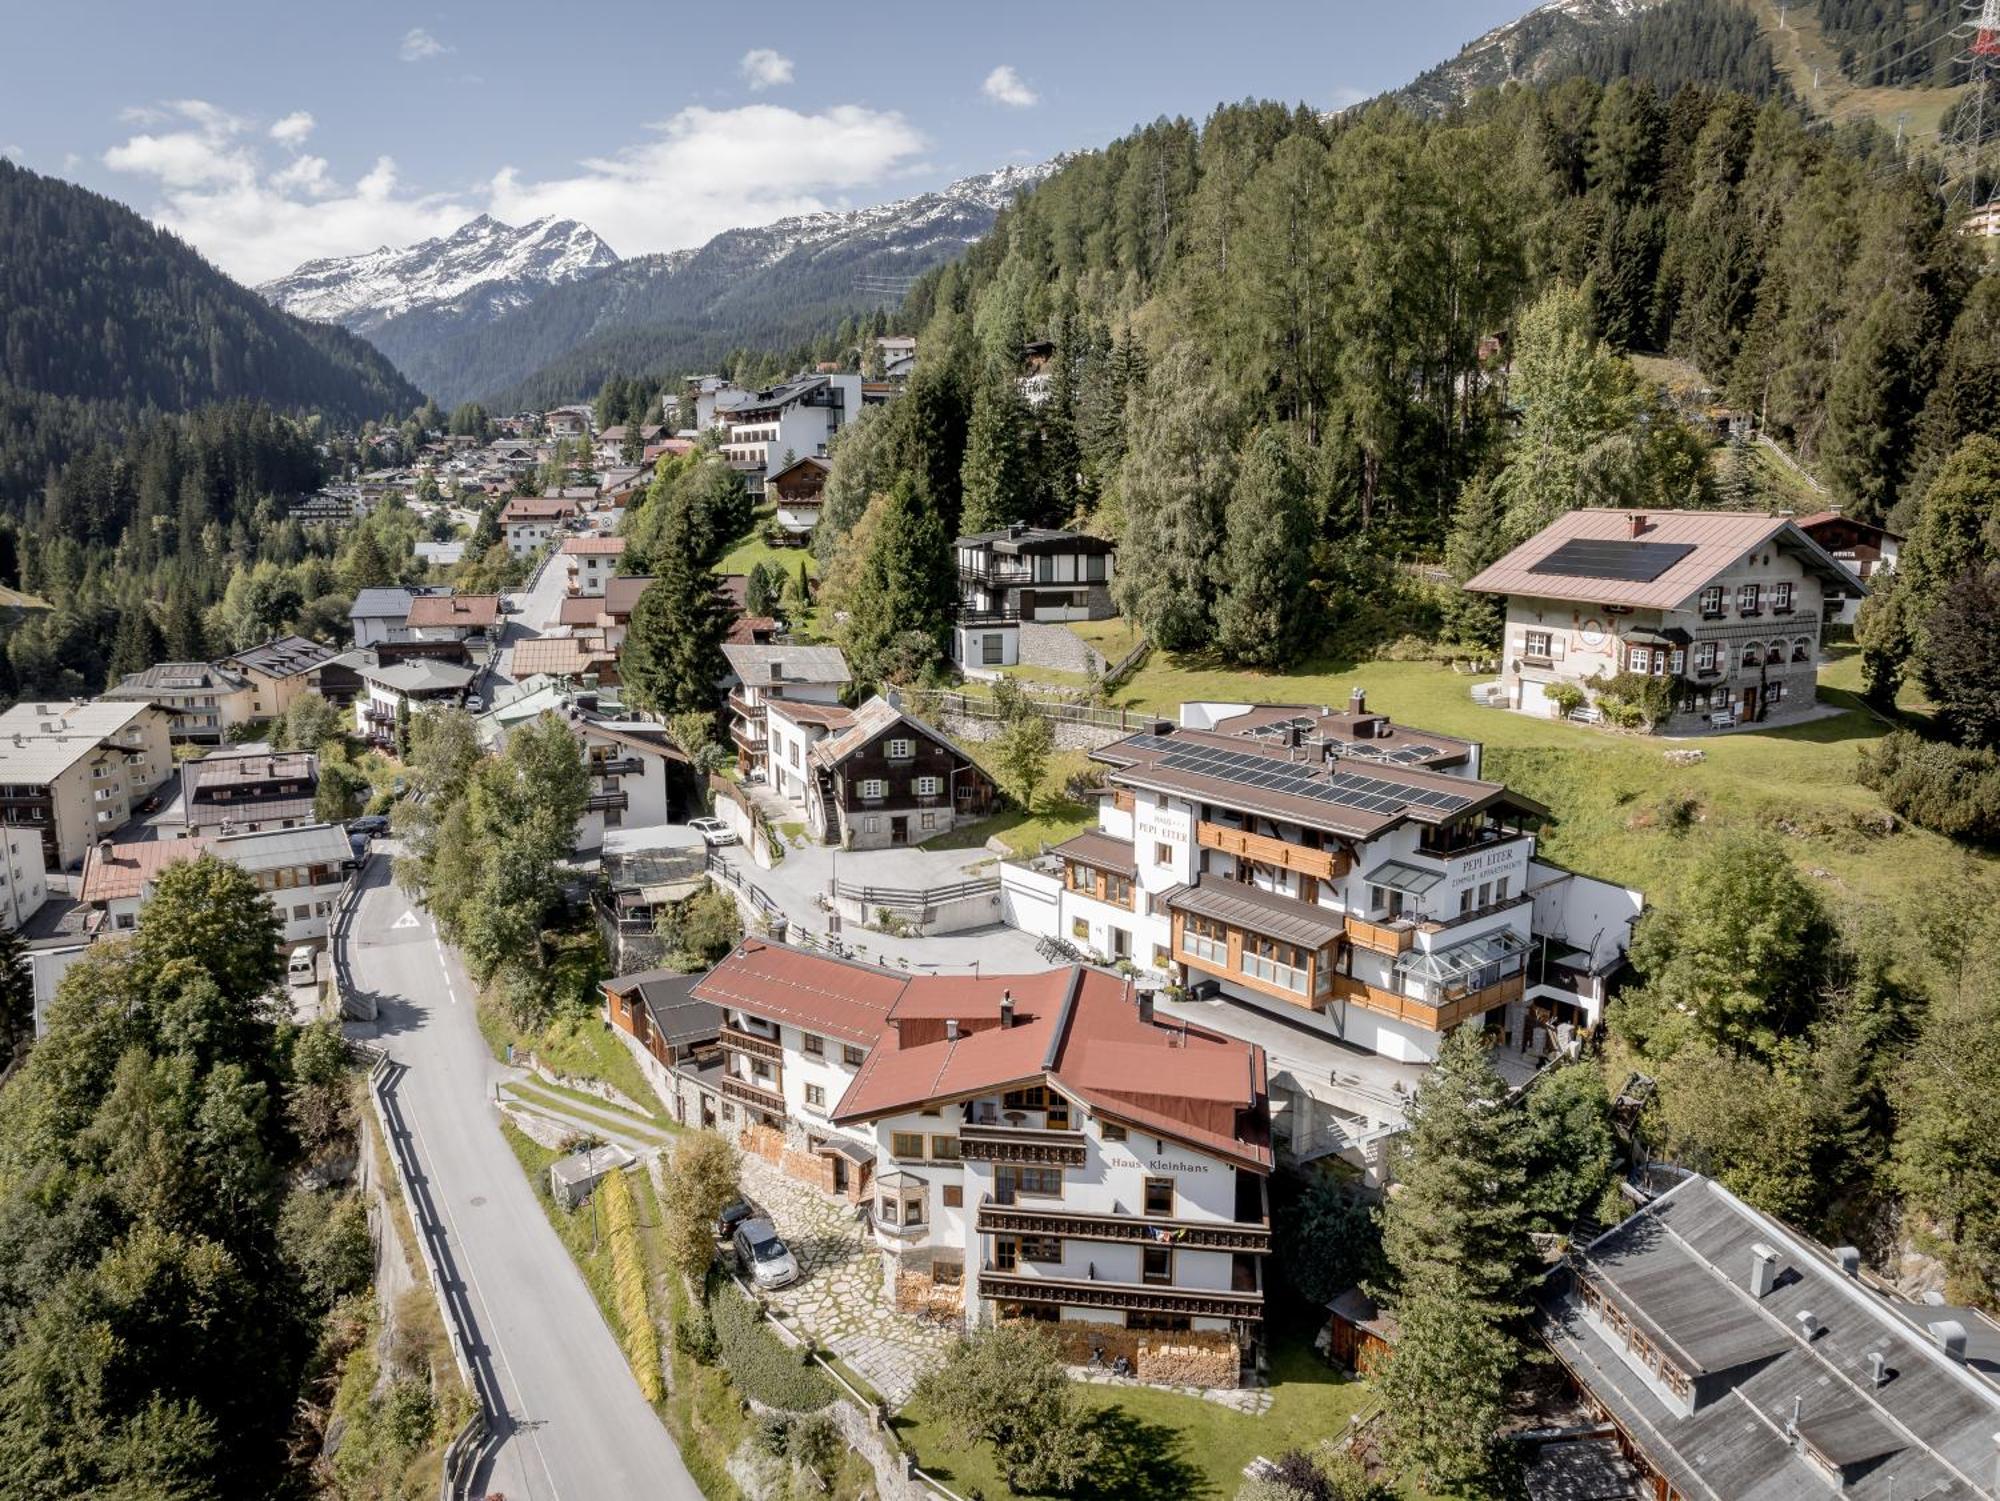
1348 331
1895 42
105 319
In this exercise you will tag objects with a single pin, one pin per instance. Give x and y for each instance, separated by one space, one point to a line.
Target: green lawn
1613 795
751 549
1164 1446
1053 819
581 1045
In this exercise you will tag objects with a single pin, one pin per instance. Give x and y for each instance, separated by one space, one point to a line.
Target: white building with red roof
1026 1146
1728 605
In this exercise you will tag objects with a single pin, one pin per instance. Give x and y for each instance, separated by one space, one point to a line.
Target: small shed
572 1178
1357 1332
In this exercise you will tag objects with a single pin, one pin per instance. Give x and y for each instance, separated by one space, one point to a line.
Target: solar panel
1626 562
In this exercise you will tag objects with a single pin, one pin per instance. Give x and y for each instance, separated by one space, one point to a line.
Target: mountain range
522 317
1544 44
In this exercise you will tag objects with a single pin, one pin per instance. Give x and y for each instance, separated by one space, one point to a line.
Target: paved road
531 612
576 1427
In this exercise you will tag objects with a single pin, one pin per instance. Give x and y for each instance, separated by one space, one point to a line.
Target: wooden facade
1321 864
1420 1013
1318 966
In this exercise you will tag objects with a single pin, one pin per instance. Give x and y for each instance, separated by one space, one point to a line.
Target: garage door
1533 699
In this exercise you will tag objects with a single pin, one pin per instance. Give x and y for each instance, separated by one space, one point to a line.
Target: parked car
713 831
732 1215
762 1257
372 826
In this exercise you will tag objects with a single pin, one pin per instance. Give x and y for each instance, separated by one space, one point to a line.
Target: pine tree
908 584
1175 483
997 480
1263 614
1477 541
138 644
186 636
1871 407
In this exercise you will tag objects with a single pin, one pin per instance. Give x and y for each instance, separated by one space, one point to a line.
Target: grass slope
1803 53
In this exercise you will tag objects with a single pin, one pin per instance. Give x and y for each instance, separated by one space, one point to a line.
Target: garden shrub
761 1365
1947 789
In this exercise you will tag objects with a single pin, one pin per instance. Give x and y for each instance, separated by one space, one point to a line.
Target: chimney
104 849
1146 1007
1006 1009
1357 702
1950 1335
1763 1269
1849 1258
1809 1325
1878 1367
951 1029
1637 521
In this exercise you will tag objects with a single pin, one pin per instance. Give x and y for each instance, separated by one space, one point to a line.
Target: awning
1242 906
853 1151
1101 852
1399 876
1466 957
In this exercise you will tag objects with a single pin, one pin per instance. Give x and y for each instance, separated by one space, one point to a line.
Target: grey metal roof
283 656
207 815
1265 912
1678 1271
420 675
377 604
800 664
1096 848
316 844
168 677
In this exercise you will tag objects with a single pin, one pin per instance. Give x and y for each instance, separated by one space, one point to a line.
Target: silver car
761 1256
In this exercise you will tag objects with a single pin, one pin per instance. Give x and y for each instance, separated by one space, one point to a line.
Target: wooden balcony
746 1093
1024 1144
1383 938
1326 865
1195 1235
599 802
1438 1018
1196 1302
738 1040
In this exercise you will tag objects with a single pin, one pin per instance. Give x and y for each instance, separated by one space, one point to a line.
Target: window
813 1043
1775 652
1161 958
1156 1264
1775 694
1030 1182
1034 1097
1500 890
927 820
1711 602
1093 568
760 1068
907 1144
1118 890
930 786
1705 656
1110 1130
1171 1323
1160 1196
1465 901
944 1149
852 1056
1752 654
1781 599
1538 645
1746 599
1163 854
816 1096
901 750
301 912
1802 650
874 789
1277 963
954 1198
1205 938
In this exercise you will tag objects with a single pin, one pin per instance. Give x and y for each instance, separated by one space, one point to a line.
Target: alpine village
1301 806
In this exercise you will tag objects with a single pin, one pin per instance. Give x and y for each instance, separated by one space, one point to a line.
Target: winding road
574 1427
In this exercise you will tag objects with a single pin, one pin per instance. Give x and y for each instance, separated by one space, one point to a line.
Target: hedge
763 1367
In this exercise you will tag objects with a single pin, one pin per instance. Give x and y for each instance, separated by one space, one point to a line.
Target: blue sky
271 133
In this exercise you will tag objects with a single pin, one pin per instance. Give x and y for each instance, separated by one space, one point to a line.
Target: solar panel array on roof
1282 728
1626 561
1400 755
1344 789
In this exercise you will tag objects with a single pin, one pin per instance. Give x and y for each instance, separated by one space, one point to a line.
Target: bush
702 929
1566 697
760 1364
628 1284
1636 699
694 1335
1944 788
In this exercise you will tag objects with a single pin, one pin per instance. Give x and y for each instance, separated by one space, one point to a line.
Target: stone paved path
839 1298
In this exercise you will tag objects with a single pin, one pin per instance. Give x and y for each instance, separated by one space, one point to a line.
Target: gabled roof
1818 519
802 712
797 664
1597 556
537 508
621 594
608 547
125 870
836 997
283 657
471 611
389 603
873 720
419 675
559 656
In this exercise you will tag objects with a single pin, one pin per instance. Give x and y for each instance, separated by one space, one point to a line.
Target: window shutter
1555 648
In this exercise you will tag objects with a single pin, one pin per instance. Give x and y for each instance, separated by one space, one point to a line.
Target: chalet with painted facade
889 779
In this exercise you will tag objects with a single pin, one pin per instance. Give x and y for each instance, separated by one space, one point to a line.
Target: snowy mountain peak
1532 49
508 267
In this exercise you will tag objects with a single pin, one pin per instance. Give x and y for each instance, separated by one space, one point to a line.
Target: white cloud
765 69
293 129
693 175
420 46
1004 86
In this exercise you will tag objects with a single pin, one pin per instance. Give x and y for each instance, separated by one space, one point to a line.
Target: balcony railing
746 1093
1435 1017
1207 1303
623 766
739 705
738 1040
600 802
1326 865
1201 1235
1392 937
1024 1144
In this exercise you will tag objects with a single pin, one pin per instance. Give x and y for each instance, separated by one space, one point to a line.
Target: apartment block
76 772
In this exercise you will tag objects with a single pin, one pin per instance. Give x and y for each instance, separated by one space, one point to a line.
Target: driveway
574 1426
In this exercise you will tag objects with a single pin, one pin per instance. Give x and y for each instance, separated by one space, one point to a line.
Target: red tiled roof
537 508
581 609
474 611
748 630
1078 1028
594 546
127 869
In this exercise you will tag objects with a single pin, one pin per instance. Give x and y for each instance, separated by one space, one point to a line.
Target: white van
304 966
